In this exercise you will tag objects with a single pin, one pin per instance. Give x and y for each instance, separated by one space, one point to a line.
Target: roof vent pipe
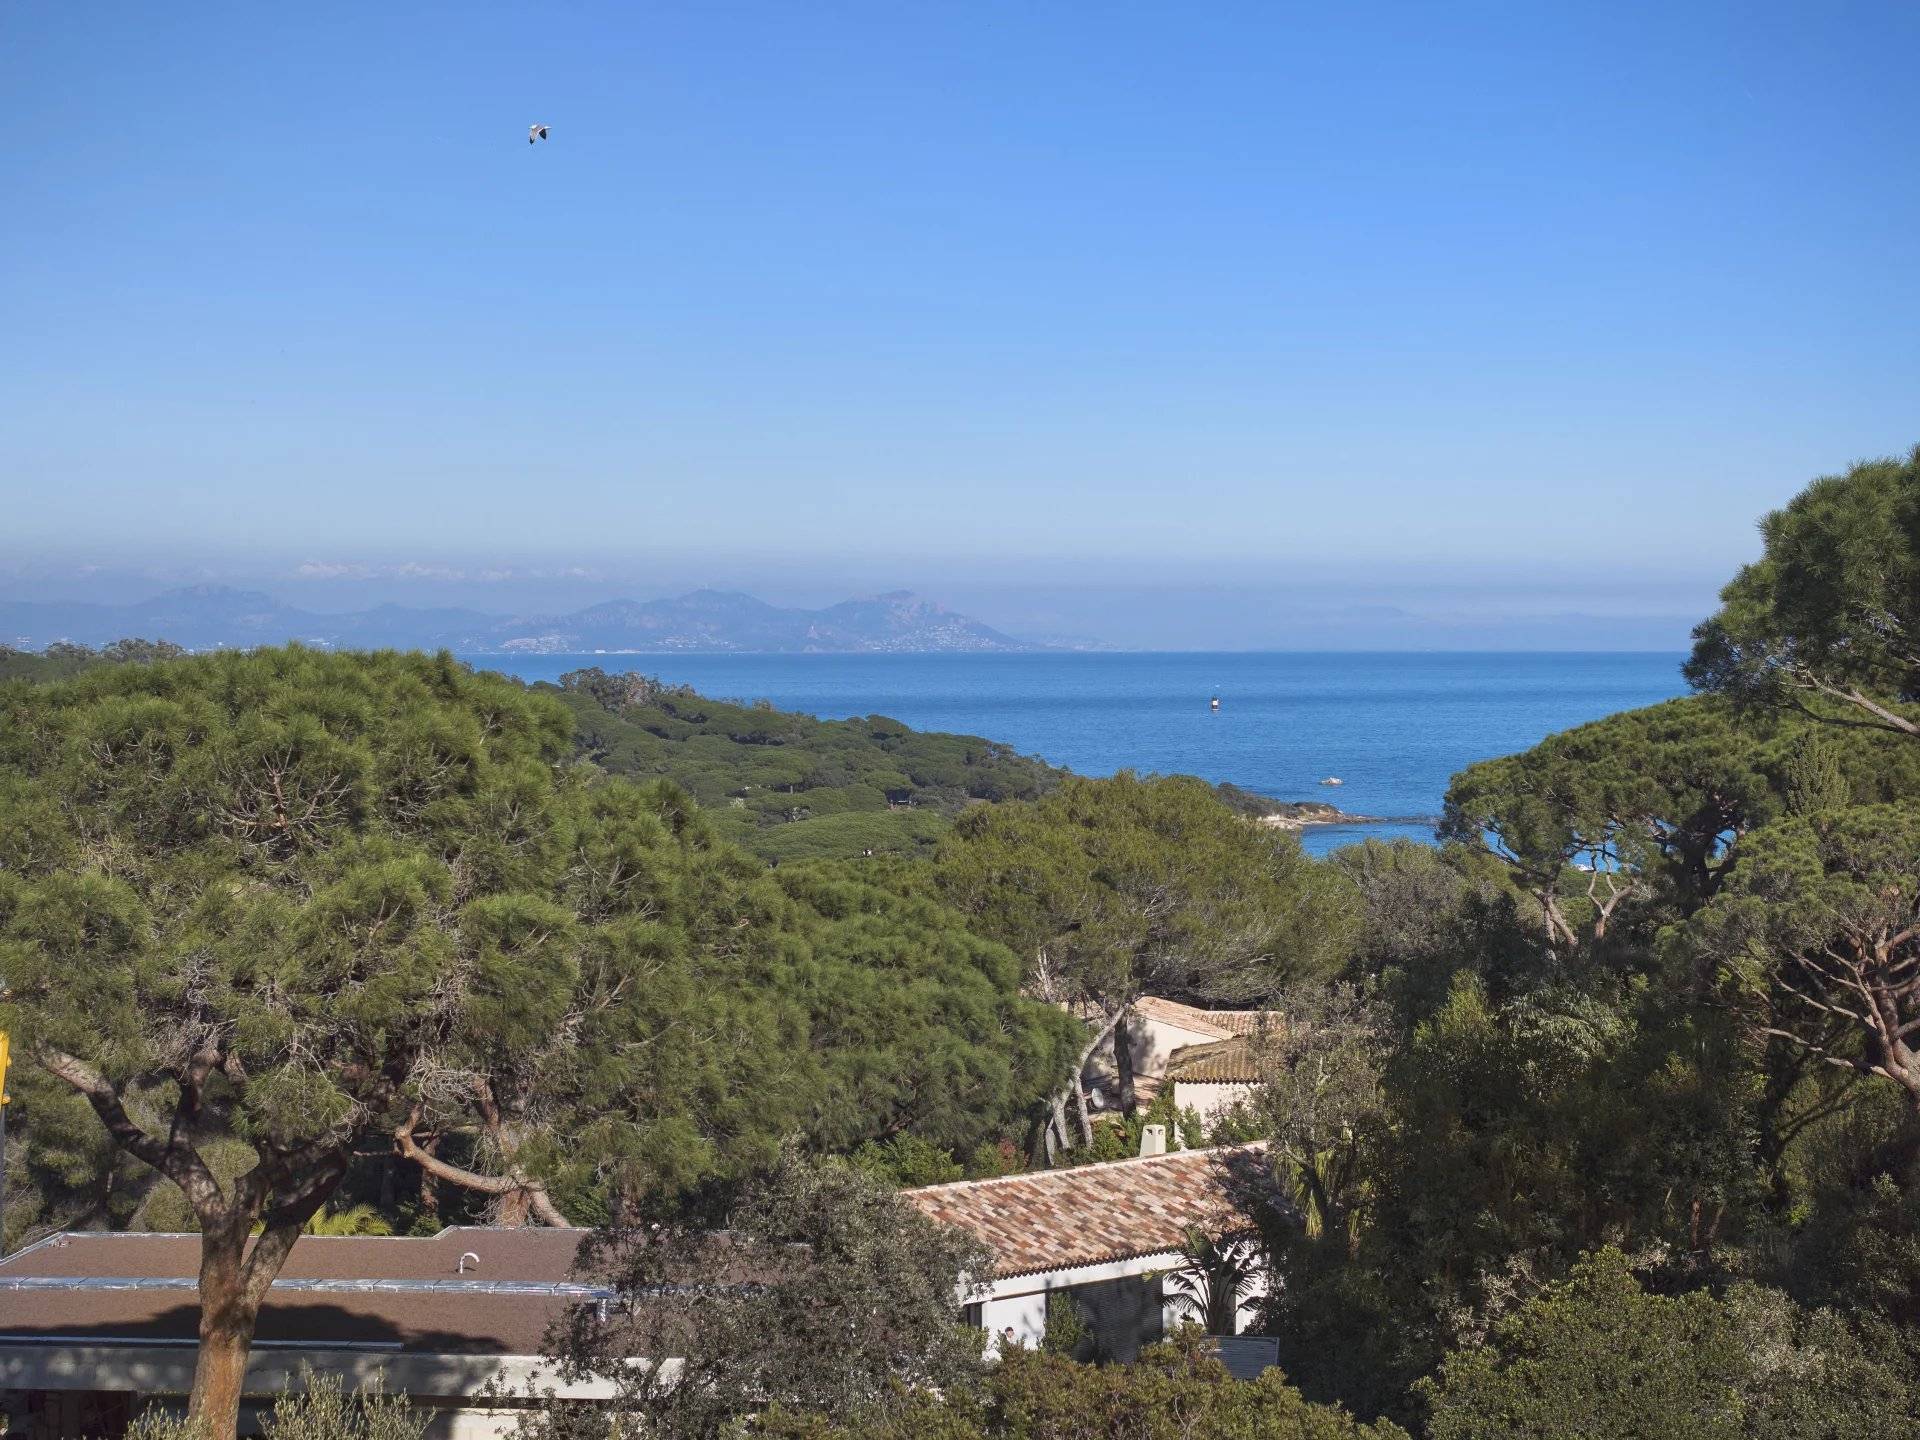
462 1269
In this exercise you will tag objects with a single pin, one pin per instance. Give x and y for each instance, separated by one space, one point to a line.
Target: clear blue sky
1529 301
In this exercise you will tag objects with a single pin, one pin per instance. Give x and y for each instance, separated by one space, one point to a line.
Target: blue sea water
1394 727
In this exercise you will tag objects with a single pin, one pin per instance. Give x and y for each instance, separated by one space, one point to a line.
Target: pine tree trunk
513 1208
1078 1086
429 1186
227 1319
219 1378
1123 1068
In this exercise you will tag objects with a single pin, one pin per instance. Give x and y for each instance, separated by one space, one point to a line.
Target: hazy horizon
1243 610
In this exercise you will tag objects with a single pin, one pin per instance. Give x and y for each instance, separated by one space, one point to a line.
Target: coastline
1286 720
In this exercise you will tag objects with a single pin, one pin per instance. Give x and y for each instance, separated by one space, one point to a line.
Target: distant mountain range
206 617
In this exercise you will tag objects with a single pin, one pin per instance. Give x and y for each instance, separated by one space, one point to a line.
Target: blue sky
1080 315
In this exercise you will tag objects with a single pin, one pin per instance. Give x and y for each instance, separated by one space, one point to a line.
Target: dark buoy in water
1216 703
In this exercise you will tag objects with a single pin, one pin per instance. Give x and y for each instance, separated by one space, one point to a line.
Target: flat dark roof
505 1254
402 1293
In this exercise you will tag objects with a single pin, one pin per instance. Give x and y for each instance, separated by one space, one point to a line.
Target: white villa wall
1019 1303
1247 1313
1210 1098
1024 1314
1150 1044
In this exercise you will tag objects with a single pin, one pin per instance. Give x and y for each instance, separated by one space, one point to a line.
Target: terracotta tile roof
1091 1214
1219 1023
1240 1061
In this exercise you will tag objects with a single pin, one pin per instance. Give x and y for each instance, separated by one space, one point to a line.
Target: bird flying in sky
536 132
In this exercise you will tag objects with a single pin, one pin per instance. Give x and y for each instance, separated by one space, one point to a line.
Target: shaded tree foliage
1596 1357
1820 930
1637 808
1323 1105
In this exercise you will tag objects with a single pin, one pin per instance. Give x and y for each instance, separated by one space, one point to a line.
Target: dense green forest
783 785
1599 1119
61 661
791 787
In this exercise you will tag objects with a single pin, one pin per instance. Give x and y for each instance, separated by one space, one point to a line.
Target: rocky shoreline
1299 814
1286 814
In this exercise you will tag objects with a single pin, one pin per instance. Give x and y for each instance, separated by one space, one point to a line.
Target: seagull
536 132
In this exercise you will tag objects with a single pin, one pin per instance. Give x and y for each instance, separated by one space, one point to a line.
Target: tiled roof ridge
1200 1045
1095 1214
1218 1062
1034 1176
1225 1042
1197 1016
1209 1009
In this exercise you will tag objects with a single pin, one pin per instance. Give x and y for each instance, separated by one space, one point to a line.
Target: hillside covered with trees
788 786
785 786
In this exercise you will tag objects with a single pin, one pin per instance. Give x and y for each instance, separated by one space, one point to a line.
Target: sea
1393 728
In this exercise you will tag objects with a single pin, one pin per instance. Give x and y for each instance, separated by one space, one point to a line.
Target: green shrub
1067 1333
1597 1358
321 1409
906 1160
1175 1391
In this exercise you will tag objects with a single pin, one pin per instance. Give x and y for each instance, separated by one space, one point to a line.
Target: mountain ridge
211 616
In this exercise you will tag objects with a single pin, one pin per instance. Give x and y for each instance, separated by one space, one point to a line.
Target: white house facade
1152 1032
1108 1236
1211 1079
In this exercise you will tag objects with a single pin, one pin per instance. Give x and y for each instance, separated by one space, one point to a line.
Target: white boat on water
1333 780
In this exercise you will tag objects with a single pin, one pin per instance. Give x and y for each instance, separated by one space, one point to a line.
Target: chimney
1153 1140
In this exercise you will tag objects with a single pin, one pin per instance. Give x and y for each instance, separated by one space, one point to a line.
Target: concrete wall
451 1387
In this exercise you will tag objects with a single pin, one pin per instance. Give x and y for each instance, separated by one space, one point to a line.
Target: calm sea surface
1393 727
